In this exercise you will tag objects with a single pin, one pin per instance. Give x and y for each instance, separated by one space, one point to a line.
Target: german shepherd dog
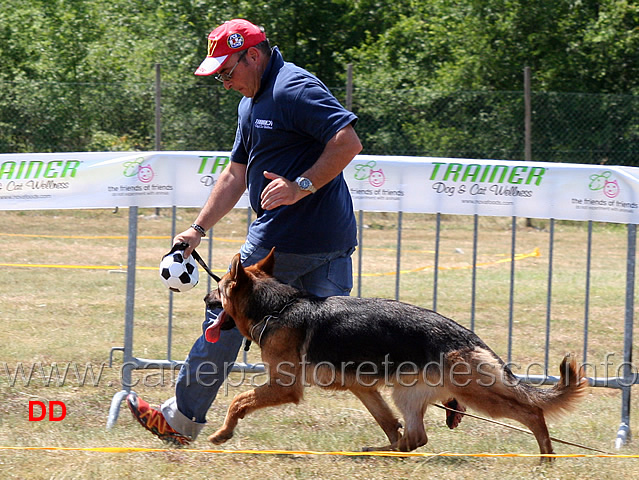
363 344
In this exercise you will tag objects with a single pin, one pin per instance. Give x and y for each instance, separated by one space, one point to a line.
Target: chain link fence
566 127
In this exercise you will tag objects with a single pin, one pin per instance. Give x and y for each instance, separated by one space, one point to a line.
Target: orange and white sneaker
153 420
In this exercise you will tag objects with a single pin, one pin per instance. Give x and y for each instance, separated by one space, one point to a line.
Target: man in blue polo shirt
293 140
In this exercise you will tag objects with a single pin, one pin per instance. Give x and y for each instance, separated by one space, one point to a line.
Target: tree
482 46
432 76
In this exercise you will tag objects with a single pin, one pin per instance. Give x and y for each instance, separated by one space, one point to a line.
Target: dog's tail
563 396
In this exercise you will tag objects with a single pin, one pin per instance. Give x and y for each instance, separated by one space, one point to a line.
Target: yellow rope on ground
519 256
109 237
311 452
76 267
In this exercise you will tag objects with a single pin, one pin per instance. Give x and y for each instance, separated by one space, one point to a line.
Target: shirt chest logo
267 124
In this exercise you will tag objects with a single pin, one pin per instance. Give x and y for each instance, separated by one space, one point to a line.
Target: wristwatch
305 184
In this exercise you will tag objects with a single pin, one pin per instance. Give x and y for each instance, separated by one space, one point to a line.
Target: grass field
62 287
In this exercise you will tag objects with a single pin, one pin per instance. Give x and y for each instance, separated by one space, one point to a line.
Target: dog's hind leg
533 418
498 401
381 412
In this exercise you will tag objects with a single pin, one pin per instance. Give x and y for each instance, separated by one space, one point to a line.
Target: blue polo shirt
284 129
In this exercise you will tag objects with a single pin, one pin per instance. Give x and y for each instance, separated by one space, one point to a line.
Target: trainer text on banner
495 188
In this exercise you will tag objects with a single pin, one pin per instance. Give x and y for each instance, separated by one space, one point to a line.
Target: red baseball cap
230 37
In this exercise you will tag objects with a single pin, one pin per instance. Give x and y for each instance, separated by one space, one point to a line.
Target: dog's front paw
220 437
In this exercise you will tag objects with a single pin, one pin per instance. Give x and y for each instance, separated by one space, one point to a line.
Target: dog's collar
268 318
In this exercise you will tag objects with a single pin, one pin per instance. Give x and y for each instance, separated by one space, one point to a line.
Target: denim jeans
208 364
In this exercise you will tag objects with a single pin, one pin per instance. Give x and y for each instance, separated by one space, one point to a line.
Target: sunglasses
225 77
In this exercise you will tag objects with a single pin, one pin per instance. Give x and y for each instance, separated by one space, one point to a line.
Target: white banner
377 183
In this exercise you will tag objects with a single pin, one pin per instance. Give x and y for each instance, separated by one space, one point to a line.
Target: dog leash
519 429
183 246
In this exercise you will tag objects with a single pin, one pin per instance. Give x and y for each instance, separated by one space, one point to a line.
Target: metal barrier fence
626 377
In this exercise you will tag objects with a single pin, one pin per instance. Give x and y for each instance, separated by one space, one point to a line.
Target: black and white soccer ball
177 273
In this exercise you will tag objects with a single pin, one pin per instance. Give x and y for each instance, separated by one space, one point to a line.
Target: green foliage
78 74
571 46
438 71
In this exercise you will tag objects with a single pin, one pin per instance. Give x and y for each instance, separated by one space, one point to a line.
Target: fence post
158 113
527 116
551 248
527 123
623 434
587 292
360 221
473 280
511 302
128 365
169 340
349 87
438 227
158 107
360 235
398 254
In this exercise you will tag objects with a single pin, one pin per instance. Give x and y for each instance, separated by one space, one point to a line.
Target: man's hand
280 191
190 236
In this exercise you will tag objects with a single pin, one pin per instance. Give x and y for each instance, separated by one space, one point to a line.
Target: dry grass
69 315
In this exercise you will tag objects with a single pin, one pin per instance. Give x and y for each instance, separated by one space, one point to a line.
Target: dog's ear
237 272
267 264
